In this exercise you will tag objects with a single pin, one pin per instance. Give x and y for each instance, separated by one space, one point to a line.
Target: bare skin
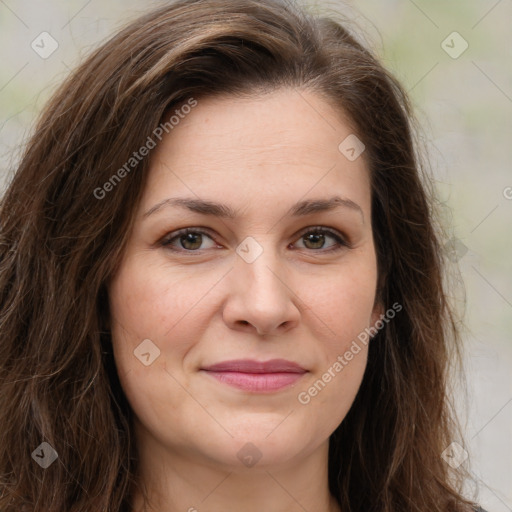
203 303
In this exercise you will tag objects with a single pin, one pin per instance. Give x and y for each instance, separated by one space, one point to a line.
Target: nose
261 296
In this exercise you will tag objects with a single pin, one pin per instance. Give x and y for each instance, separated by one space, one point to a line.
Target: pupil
189 238
316 239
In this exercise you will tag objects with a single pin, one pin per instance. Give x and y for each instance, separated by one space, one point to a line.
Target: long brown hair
60 243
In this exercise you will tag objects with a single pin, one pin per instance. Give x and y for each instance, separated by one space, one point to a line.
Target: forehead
271 146
285 121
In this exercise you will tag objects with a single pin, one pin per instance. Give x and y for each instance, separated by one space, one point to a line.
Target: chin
257 447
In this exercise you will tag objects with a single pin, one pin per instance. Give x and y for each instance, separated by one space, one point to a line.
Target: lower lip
259 382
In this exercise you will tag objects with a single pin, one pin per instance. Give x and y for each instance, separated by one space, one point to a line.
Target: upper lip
251 366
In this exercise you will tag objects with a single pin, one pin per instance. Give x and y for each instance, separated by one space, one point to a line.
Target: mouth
256 376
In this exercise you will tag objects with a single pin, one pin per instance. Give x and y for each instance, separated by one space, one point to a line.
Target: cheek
165 304
343 308
149 302
329 396
148 299
342 311
142 307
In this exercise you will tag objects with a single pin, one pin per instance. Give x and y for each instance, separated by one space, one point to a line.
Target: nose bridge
257 265
261 296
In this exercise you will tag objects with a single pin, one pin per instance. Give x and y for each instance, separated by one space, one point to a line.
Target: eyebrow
212 208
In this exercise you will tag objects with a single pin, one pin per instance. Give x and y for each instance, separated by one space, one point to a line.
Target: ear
377 313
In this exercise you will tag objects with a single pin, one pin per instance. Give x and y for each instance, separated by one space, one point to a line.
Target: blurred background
455 60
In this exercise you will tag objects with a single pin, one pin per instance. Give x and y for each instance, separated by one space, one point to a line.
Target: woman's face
262 285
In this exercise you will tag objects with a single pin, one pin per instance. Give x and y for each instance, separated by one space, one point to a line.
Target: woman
222 282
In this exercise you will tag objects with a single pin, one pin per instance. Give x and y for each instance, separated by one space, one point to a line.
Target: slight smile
256 376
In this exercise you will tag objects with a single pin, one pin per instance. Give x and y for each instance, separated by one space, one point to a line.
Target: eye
191 239
315 238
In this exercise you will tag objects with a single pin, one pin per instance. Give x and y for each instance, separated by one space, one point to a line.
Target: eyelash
340 241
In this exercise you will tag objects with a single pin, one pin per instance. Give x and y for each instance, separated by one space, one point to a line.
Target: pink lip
259 376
